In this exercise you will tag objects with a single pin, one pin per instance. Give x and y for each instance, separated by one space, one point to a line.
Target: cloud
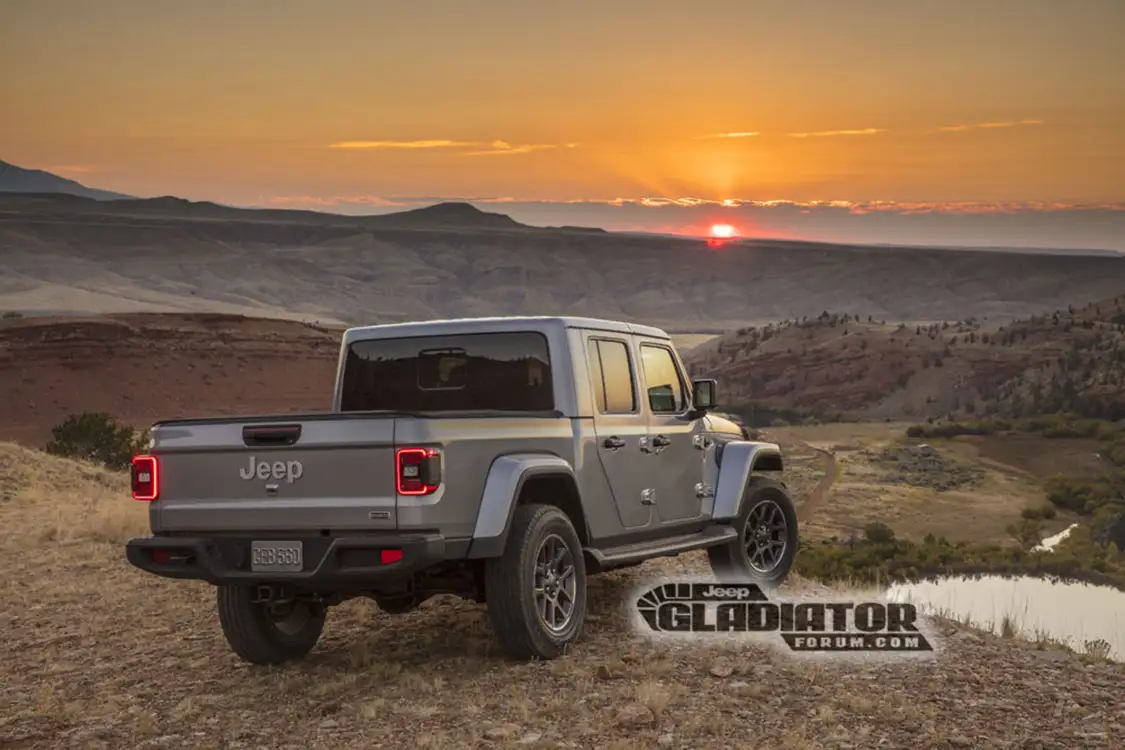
864 207
818 206
482 148
824 133
988 125
436 143
73 169
503 147
742 134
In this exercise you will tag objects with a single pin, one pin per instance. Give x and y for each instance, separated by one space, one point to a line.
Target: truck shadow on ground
447 628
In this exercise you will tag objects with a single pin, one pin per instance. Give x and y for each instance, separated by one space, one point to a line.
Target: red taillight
146 478
417 471
388 556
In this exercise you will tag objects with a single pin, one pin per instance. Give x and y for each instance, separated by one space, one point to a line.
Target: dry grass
99 655
976 512
46 499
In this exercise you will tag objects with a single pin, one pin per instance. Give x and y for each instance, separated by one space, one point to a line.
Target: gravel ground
98 655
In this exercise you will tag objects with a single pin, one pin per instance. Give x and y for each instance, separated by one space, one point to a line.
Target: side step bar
629 554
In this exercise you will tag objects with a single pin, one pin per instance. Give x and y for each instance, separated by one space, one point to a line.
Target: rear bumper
329 563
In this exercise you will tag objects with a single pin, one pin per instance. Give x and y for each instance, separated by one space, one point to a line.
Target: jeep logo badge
290 471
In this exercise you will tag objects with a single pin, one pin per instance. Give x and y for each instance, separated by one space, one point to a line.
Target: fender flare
739 460
502 487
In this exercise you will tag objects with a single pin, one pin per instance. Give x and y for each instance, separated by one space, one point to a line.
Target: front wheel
536 590
262 633
767 539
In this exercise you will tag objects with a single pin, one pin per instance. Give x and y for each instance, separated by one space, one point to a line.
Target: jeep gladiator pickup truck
502 459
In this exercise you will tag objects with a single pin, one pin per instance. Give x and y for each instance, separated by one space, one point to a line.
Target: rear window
460 372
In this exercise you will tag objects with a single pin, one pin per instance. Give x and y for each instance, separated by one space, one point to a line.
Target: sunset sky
359 105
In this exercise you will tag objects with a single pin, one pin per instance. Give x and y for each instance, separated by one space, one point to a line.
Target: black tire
260 637
510 585
731 563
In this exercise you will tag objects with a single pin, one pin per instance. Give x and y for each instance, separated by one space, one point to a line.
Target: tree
97 437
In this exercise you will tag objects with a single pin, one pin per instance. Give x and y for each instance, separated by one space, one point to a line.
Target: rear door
620 426
277 474
675 463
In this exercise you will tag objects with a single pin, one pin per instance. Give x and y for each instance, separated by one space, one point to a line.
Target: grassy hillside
1067 360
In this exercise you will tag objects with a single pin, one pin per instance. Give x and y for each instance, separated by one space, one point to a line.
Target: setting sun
723 231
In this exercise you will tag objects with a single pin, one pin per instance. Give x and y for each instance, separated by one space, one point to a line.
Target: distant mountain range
67 254
441 216
15 179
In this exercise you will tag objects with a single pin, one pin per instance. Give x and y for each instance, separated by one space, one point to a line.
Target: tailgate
299 473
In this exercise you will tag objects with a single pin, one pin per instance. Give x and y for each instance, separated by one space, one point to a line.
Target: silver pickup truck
503 460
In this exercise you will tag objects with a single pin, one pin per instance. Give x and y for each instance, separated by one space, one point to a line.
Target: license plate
276 557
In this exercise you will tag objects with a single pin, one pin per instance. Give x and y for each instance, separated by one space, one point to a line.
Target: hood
719 423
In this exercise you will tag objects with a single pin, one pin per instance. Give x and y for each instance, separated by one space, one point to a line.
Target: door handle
660 441
613 443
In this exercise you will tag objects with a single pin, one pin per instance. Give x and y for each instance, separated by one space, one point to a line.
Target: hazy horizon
924 123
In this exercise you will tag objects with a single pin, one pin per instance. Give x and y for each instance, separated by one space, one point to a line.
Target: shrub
1028 532
878 532
1086 494
97 437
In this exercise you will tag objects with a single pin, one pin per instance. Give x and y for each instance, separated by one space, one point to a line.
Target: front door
621 428
674 457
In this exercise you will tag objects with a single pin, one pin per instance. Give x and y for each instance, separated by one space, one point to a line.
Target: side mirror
704 393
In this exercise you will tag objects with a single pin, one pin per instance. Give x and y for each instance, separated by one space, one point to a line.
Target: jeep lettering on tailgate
290 471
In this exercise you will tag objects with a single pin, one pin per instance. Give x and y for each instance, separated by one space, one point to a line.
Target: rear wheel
536 590
263 633
766 546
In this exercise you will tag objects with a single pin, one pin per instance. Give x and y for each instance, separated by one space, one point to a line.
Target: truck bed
319 472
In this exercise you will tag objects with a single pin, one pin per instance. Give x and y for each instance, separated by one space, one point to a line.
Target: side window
596 376
662 378
613 377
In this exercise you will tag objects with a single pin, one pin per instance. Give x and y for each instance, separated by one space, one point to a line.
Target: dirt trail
820 492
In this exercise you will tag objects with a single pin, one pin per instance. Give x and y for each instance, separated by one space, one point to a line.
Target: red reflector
388 556
417 471
161 556
146 478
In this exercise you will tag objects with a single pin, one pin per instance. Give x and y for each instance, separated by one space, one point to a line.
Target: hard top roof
484 325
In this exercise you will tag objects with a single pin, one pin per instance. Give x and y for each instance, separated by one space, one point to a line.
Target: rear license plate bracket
277 557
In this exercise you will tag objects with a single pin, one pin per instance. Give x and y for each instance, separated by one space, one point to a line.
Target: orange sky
242 101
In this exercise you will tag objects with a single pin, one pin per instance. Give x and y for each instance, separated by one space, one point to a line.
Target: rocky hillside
141 368
1070 359
68 255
